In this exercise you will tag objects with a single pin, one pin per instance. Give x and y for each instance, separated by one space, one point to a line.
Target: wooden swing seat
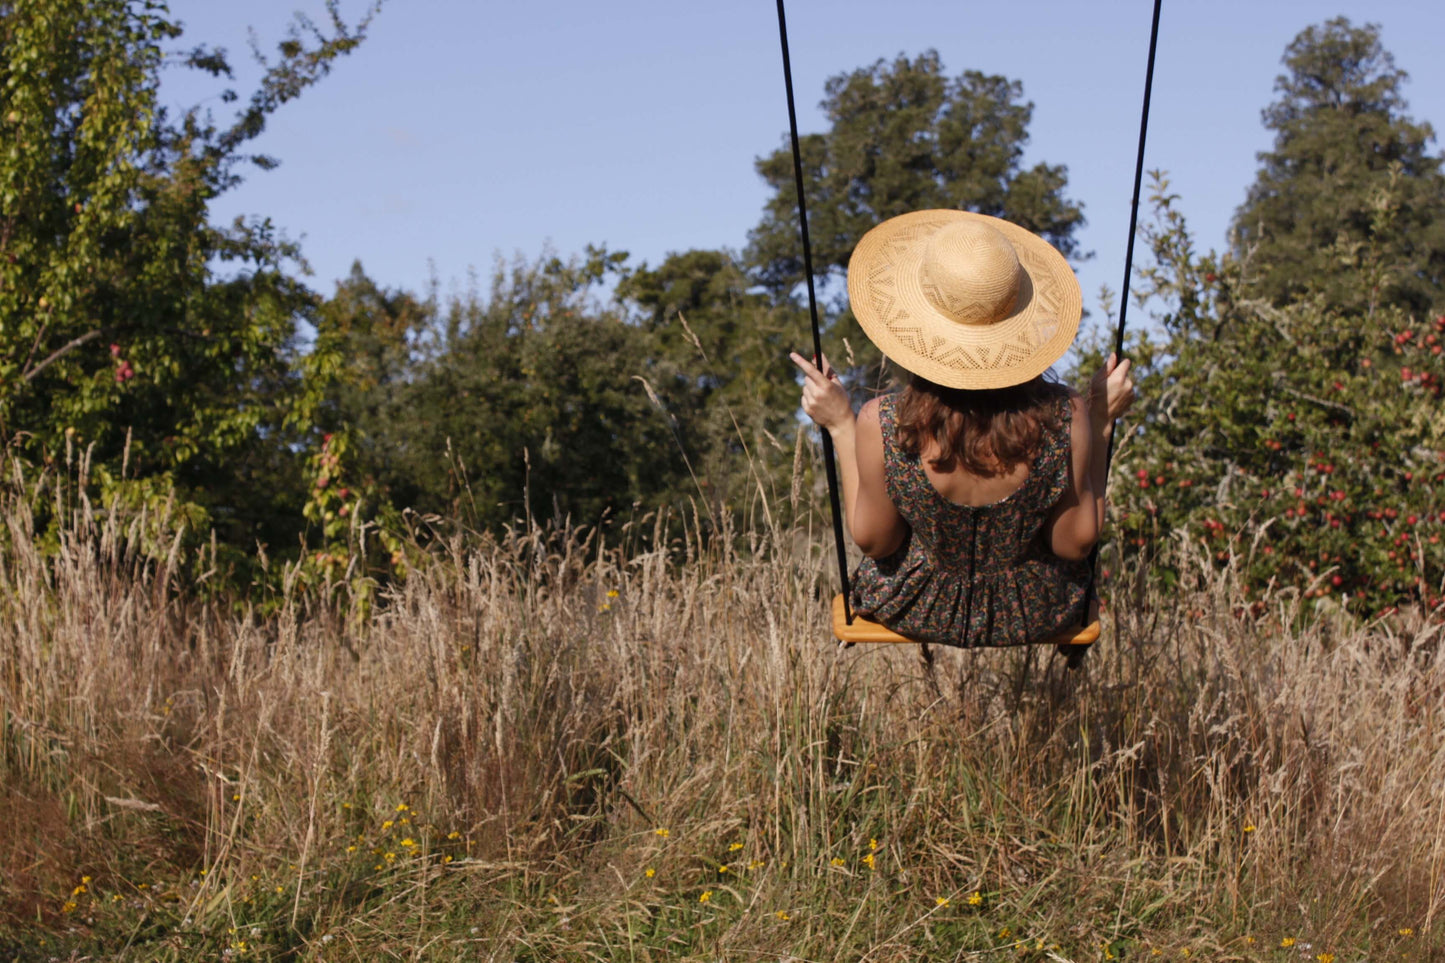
866 630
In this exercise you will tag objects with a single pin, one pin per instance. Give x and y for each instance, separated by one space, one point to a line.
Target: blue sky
461 131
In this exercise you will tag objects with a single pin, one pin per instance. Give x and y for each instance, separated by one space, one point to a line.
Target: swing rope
828 461
1128 272
871 631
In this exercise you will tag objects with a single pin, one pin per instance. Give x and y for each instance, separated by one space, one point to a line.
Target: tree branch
61 352
1345 410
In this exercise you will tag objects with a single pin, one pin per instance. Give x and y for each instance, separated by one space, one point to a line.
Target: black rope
1128 271
828 465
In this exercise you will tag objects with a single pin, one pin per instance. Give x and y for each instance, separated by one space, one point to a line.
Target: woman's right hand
825 400
1111 394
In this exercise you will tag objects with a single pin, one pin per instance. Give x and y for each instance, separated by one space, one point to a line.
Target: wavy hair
987 432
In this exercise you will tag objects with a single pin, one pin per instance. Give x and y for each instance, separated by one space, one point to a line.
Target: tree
128 324
902 137
1302 446
524 402
720 368
372 337
1345 153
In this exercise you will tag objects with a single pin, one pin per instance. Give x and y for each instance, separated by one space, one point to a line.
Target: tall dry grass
547 747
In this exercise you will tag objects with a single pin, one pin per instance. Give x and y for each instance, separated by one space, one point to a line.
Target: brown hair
986 432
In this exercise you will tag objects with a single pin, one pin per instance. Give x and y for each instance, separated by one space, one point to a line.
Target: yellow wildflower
723 868
940 901
454 835
757 864
1005 933
780 914
447 860
402 807
387 825
735 847
612 593
389 857
663 832
1286 943
976 899
1326 958
873 845
1249 828
705 897
351 848
649 872
69 907
868 860
839 861
408 842
1407 931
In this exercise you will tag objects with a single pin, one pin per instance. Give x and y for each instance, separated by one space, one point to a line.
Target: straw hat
962 299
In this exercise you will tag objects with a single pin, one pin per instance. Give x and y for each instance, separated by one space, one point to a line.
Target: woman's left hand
824 397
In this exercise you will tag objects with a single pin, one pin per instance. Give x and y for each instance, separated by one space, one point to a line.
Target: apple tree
131 328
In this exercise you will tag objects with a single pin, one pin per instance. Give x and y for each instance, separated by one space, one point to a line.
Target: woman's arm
873 520
1077 520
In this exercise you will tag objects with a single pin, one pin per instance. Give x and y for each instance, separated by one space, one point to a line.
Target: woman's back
962 487
973 569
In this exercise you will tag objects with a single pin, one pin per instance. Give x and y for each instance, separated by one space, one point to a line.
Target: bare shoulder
868 414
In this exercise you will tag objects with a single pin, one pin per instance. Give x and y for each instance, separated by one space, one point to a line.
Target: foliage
1304 443
1344 148
720 368
129 325
590 403
525 403
902 137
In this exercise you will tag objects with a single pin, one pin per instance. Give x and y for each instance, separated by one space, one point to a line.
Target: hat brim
886 293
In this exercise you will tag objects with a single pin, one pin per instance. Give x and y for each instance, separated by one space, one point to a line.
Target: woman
976 492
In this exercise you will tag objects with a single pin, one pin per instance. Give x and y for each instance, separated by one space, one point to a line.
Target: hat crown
971 273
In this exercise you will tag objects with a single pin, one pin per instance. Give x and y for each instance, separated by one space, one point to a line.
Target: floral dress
973 575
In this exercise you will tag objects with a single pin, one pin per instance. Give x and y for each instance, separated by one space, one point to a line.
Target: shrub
1304 442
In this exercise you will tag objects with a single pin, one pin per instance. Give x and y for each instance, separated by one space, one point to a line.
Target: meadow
552 745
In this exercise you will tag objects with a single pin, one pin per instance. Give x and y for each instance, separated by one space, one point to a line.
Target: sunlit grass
542 748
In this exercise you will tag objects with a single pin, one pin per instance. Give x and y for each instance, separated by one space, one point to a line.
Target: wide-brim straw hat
964 300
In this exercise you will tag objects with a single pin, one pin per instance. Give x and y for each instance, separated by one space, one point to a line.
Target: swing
850 629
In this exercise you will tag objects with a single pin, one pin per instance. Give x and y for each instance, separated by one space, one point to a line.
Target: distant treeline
152 359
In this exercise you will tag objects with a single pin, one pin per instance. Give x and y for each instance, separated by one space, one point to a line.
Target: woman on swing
977 492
